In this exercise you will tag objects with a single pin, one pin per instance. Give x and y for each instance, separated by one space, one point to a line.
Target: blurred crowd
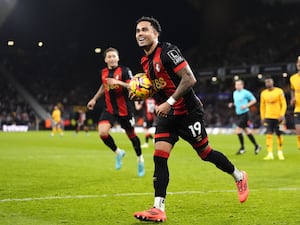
268 34
13 108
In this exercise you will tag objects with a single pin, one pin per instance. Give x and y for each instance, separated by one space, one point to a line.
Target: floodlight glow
40 44
10 43
97 50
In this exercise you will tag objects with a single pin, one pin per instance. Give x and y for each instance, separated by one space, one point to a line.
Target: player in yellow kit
272 110
56 117
295 99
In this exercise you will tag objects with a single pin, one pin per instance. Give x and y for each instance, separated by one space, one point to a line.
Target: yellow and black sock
279 142
269 142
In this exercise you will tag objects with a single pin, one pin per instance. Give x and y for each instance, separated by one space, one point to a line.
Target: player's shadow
147 222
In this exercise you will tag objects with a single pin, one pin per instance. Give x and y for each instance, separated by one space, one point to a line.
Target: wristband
171 101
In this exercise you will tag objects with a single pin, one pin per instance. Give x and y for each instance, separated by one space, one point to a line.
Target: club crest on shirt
157 67
175 56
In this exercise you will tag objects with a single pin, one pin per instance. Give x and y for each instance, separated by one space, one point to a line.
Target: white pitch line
135 194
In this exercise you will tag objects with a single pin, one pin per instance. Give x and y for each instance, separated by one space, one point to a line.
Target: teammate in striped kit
148 106
118 108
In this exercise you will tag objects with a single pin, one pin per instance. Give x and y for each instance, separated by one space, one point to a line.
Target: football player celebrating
180 114
118 108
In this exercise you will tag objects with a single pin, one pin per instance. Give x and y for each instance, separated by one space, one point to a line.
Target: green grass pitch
71 180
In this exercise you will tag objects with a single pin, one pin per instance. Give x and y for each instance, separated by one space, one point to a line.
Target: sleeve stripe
180 66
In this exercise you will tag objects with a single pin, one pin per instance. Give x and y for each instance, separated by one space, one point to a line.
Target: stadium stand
269 36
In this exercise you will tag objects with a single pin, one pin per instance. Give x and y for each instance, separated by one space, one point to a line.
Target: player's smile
141 40
112 63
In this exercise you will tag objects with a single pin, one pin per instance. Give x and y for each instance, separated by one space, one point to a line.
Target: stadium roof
85 25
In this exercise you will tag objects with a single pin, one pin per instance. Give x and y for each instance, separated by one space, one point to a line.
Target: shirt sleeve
173 59
127 75
250 96
292 84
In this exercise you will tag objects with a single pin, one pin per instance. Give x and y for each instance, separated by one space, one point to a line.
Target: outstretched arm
113 81
250 103
93 101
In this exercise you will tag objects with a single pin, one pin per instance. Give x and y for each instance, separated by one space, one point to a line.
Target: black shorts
242 120
297 117
189 127
126 122
272 125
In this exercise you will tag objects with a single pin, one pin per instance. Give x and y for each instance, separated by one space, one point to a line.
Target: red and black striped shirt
161 67
116 96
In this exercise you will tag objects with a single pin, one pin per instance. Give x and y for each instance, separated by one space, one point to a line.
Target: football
141 86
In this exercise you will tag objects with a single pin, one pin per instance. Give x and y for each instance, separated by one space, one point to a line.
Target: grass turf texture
71 180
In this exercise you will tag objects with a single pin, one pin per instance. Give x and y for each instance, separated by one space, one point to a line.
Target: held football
141 86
